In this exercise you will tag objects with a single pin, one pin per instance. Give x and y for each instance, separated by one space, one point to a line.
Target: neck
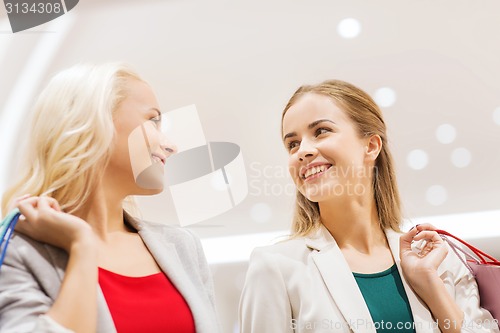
353 223
104 211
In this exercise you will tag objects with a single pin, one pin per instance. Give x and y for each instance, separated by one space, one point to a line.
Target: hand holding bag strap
480 254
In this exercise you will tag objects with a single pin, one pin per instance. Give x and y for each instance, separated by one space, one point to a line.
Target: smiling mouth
158 159
316 171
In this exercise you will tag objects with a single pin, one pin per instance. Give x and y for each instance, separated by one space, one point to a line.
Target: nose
167 145
306 150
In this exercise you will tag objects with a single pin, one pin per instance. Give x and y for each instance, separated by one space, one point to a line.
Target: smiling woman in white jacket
347 266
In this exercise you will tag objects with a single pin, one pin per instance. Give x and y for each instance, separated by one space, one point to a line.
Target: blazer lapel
105 322
422 317
167 258
163 249
339 281
164 252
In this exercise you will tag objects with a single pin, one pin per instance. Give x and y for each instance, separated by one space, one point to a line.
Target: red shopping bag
486 270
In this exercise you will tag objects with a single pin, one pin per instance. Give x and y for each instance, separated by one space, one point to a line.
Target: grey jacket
31 276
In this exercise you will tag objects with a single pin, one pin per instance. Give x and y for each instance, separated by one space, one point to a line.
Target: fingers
429 236
421 232
406 240
425 226
27 207
32 207
46 203
21 198
13 203
55 205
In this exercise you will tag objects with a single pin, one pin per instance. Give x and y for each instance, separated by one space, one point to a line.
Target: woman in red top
95 140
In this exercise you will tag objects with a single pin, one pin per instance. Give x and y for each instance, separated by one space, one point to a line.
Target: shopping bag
6 230
484 267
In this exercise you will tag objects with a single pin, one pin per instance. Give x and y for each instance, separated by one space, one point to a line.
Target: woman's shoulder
165 228
181 237
289 250
29 250
284 246
45 262
170 231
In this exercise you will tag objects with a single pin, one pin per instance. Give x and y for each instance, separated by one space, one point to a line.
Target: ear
373 147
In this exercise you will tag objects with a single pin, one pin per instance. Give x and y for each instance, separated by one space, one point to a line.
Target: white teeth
314 170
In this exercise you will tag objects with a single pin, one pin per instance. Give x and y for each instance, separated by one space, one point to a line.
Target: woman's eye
156 120
322 130
292 144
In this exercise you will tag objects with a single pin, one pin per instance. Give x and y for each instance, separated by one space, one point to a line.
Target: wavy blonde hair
367 117
71 134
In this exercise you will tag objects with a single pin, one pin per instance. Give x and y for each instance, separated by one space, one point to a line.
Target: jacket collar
424 323
340 282
164 243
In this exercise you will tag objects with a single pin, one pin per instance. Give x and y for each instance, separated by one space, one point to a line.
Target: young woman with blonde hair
78 261
348 267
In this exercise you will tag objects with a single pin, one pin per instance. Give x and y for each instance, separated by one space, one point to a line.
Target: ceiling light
436 195
496 116
417 159
461 157
385 97
446 134
349 28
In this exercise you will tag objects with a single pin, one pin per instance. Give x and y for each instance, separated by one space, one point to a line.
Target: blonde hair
367 117
71 134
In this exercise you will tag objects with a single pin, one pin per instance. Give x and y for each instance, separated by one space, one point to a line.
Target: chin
314 197
143 191
323 192
312 194
156 191
150 180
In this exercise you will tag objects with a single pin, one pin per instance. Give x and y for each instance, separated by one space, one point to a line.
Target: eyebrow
310 126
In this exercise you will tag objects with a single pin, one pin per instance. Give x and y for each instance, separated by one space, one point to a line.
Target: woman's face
327 157
140 148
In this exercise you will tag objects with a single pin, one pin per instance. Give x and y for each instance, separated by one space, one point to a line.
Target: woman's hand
43 220
420 267
420 270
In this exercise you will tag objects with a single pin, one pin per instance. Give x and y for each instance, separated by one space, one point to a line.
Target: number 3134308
34 8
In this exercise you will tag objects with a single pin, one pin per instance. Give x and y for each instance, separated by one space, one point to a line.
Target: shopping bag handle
6 230
480 254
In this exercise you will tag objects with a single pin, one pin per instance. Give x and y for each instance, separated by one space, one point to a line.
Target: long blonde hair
71 134
367 117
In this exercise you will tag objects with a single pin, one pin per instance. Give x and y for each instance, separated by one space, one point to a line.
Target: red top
145 304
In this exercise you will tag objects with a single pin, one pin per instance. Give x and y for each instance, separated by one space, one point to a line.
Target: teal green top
386 299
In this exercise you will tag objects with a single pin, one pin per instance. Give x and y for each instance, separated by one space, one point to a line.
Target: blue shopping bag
6 230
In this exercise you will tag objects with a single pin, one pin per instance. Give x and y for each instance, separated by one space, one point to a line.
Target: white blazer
32 274
305 285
